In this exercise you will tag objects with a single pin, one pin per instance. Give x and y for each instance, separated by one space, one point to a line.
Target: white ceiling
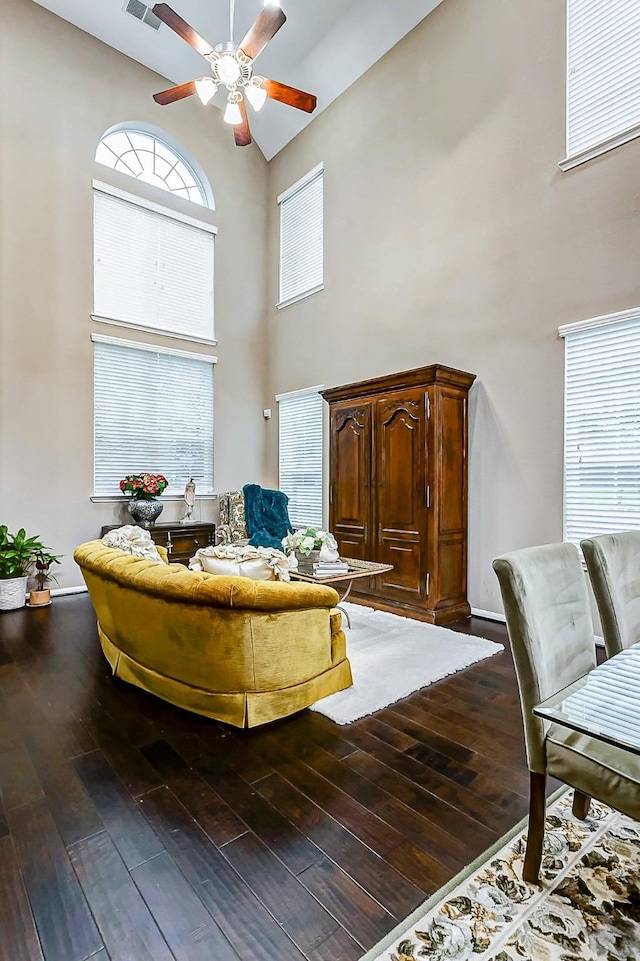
324 46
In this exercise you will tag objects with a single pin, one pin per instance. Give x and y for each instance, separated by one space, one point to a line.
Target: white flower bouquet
309 539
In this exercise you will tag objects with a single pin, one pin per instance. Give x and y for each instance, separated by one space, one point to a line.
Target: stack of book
329 568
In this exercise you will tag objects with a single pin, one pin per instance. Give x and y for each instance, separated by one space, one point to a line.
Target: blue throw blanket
266 516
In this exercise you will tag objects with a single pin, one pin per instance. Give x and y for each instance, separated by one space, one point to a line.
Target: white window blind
603 84
300 455
602 428
153 411
301 238
152 270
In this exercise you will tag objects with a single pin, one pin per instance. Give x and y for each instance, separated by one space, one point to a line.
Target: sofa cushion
133 540
258 563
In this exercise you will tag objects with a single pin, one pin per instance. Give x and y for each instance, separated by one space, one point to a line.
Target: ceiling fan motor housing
230 66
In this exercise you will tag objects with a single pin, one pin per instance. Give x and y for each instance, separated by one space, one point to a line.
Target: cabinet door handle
196 541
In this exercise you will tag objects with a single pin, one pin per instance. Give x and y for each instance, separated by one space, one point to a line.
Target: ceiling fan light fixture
232 67
228 69
206 88
232 113
256 94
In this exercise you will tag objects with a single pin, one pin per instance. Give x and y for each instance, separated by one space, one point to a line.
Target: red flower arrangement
144 486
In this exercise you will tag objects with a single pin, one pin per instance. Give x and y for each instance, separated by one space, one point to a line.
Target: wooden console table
180 540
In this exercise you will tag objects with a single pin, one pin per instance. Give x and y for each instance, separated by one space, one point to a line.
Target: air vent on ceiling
142 12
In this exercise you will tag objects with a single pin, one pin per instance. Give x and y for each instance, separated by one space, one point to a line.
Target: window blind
153 411
603 84
602 429
301 238
300 455
152 270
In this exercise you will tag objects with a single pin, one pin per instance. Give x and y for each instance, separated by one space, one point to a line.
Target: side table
357 568
180 540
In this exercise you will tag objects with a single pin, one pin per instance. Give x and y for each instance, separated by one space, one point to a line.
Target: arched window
145 156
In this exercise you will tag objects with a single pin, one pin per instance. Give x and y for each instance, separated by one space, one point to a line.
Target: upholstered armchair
551 633
613 562
253 515
232 528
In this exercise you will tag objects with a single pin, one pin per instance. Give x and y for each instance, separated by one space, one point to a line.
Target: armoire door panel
350 503
405 581
453 580
351 543
453 500
399 462
351 466
399 445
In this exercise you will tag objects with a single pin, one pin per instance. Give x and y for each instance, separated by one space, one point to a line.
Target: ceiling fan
232 67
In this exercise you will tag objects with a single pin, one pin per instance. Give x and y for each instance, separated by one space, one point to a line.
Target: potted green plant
16 558
40 595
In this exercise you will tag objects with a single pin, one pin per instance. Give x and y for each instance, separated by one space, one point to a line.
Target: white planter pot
13 593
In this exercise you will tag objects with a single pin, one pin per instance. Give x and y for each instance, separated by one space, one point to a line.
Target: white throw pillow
133 540
258 563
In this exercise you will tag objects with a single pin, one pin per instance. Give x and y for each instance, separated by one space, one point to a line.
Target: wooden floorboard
132 830
124 920
18 936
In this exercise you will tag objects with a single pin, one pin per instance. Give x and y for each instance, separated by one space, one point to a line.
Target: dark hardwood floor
133 831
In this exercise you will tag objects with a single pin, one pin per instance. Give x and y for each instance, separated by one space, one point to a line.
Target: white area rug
391 657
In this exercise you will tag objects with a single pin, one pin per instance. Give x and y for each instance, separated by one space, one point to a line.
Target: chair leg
537 811
581 804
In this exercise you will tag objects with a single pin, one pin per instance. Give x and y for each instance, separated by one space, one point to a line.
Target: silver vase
145 512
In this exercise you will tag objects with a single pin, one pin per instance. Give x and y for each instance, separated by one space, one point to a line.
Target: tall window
603 83
300 454
153 267
153 411
147 158
602 426
153 272
302 238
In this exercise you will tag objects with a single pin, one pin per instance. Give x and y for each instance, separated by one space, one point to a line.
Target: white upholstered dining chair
551 634
613 562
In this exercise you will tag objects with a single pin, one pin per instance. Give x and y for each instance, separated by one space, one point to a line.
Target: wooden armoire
398 488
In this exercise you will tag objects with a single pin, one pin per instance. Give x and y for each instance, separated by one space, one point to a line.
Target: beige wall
59 91
452 236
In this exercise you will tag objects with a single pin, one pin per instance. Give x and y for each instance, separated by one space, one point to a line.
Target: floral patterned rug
587 908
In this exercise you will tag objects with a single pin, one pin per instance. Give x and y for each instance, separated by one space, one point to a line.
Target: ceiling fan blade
175 93
175 22
241 131
291 95
265 26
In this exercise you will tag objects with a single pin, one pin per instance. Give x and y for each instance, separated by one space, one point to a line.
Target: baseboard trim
488 615
492 616
62 591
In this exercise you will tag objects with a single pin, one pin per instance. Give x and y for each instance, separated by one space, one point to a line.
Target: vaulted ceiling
323 48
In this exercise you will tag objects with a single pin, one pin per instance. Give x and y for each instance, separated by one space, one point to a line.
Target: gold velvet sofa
241 651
